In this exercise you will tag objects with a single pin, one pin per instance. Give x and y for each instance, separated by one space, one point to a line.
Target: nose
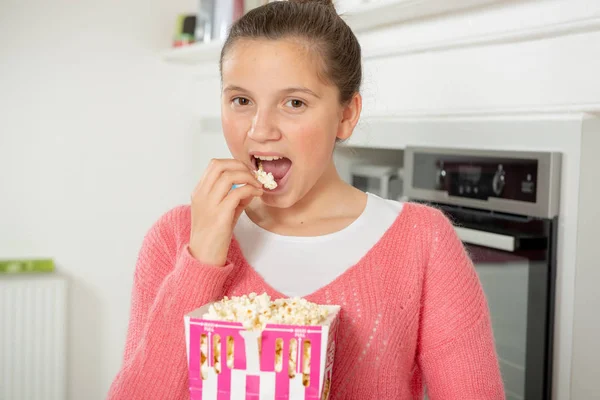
264 127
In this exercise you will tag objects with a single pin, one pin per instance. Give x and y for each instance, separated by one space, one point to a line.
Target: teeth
268 158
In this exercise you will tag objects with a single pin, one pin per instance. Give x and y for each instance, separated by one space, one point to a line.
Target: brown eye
241 101
295 103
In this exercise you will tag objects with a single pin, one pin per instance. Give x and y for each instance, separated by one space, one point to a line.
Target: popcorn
254 312
266 178
250 324
217 353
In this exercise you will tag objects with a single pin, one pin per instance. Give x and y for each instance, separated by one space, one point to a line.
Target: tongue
277 167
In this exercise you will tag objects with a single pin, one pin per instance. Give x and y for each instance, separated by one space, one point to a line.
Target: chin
286 200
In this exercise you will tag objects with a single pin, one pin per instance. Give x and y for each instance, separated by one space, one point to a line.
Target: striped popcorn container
281 362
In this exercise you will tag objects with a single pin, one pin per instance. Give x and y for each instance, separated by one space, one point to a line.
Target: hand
216 208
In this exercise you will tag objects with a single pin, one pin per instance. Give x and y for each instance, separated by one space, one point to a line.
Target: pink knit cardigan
413 314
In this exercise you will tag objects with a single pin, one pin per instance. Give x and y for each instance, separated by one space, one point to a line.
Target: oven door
516 270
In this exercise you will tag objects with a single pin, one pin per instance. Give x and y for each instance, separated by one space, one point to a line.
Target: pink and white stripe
252 378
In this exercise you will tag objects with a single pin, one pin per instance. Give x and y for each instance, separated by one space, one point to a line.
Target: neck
317 203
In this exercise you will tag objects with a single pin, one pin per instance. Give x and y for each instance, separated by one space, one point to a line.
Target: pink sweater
413 314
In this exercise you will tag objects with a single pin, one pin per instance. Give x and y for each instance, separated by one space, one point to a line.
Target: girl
413 311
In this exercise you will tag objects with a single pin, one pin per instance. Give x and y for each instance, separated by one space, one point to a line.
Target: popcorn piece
230 349
306 364
217 353
255 312
293 358
278 355
266 178
204 356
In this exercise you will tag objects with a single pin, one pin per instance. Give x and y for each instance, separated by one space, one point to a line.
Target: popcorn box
281 362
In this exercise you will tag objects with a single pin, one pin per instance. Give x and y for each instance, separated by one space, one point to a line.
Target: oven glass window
505 280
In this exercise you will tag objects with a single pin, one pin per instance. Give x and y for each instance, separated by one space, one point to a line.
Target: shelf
378 13
196 53
363 18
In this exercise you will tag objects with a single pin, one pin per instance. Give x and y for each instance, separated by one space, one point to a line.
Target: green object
26 266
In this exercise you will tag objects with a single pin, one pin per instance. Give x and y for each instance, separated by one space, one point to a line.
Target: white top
298 266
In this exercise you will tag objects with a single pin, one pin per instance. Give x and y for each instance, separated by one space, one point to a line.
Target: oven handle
486 239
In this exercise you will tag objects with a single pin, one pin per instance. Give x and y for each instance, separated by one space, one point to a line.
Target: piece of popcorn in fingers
266 178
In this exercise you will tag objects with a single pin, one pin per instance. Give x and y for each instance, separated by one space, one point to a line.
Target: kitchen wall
95 132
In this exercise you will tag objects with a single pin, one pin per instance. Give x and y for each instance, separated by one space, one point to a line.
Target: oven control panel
477 177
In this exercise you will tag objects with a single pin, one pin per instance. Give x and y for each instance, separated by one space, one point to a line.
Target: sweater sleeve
168 283
456 346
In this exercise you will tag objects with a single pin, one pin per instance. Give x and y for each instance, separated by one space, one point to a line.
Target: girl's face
275 105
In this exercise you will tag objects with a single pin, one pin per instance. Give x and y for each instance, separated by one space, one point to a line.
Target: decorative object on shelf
214 18
226 12
18 266
204 20
184 31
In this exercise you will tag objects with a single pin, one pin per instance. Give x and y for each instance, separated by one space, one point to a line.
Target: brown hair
316 22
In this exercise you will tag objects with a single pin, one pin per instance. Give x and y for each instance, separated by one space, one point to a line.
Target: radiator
33 328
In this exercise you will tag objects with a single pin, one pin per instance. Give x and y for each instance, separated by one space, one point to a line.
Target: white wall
95 132
586 329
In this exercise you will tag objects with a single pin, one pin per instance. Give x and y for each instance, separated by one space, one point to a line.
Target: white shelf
378 13
366 17
196 53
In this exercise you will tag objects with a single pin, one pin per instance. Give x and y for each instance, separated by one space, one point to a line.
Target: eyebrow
301 89
233 88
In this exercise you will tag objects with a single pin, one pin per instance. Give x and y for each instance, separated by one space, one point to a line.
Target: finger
214 170
244 203
216 167
235 197
226 181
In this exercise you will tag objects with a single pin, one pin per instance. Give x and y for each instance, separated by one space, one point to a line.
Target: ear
349 117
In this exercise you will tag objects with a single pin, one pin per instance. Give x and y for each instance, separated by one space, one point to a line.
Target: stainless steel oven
505 207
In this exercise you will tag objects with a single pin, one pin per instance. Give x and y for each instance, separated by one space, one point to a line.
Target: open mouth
277 166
